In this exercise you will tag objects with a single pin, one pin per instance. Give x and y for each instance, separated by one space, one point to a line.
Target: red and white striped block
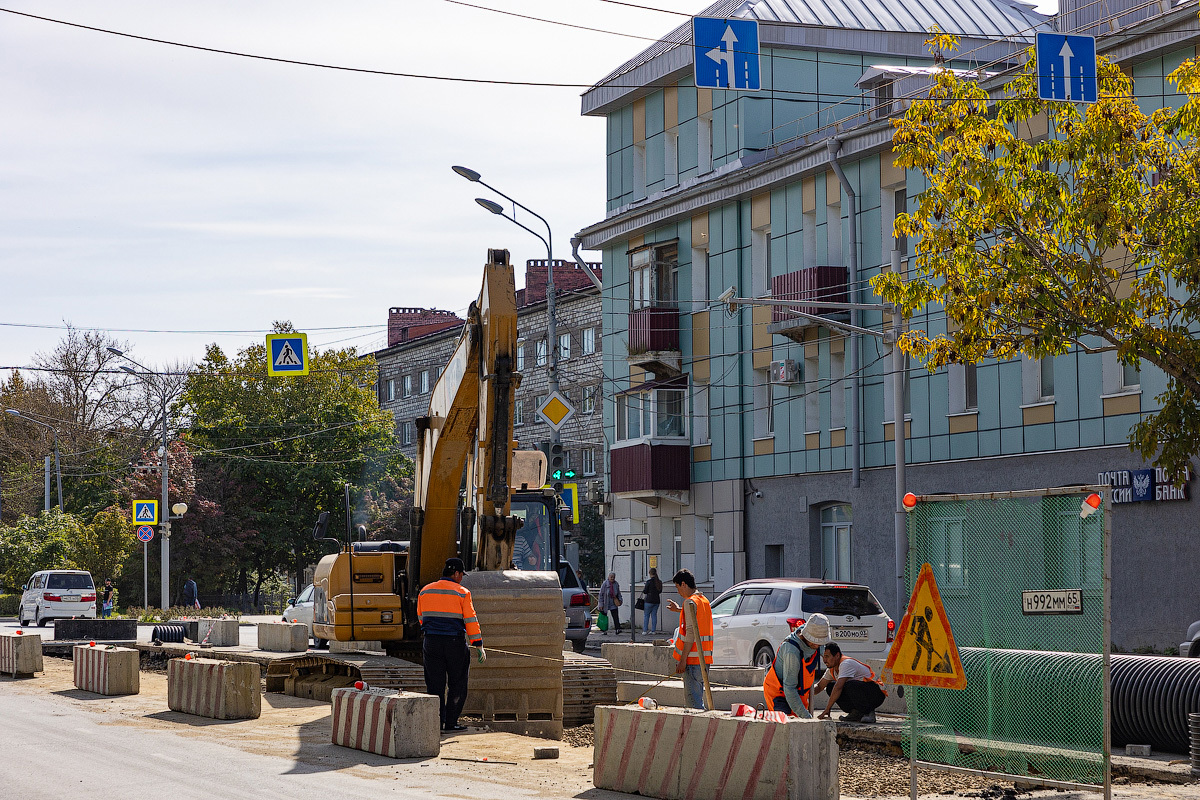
20 654
387 723
215 689
106 671
679 755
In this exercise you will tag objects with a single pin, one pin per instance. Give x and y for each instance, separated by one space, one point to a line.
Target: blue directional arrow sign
726 53
1066 68
287 354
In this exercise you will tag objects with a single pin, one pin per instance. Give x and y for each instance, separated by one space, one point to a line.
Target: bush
154 615
9 604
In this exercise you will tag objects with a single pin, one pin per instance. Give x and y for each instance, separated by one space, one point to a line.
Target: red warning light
910 501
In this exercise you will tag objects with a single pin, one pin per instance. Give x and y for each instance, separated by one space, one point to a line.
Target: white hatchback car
300 609
57 594
751 619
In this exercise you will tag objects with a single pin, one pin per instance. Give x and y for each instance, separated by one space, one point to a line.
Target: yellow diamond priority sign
924 653
556 410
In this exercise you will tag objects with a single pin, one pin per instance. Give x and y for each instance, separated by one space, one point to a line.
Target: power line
188 332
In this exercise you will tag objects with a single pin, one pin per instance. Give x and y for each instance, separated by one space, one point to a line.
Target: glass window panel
670 412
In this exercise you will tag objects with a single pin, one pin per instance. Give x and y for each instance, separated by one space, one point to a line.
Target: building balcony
650 470
654 340
809 286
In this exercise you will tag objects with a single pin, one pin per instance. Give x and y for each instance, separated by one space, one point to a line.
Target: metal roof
985 19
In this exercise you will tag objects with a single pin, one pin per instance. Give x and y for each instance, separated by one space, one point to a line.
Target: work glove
482 654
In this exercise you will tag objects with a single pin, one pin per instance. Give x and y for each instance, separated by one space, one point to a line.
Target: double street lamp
179 508
57 466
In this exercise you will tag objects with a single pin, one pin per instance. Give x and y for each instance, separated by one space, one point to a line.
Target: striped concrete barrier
677 754
20 654
214 689
282 637
106 670
387 723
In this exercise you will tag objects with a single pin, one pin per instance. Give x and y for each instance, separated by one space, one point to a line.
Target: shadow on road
318 753
80 694
190 719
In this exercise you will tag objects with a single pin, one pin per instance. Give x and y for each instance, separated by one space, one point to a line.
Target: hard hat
816 630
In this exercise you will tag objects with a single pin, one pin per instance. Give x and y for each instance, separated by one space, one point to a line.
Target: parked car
57 594
575 606
300 609
1190 648
751 619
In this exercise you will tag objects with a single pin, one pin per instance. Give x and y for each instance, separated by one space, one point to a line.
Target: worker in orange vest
448 621
851 685
788 683
692 645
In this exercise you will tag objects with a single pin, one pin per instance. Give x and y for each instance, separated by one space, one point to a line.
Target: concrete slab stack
214 689
680 755
282 637
387 723
106 670
20 653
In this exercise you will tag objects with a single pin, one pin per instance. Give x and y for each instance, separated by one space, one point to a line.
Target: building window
971 387
391 389
677 535
658 413
837 390
654 277
424 381
519 413
946 544
543 354
520 355
900 204
538 402
408 385
566 456
406 433
640 273
1046 378
589 341
1131 376
588 403
836 543
589 461
668 412
564 346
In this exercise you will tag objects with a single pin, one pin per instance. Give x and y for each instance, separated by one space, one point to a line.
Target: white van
57 594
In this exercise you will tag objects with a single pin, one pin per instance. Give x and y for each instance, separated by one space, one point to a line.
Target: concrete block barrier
106 670
20 654
220 632
214 689
387 723
95 630
680 755
282 637
670 693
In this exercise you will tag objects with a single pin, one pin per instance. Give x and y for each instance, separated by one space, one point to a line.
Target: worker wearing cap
692 645
789 681
851 686
448 621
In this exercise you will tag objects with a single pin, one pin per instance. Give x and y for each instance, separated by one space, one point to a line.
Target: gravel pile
863 772
582 736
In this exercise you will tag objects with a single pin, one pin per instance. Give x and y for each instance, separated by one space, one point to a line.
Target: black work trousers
447 663
864 696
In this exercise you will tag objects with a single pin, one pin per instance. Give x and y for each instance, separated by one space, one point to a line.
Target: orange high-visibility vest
872 679
773 687
704 624
444 608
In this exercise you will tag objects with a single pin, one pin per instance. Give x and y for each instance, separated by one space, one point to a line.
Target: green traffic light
557 475
569 473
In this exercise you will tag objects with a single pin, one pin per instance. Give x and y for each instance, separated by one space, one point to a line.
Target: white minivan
57 594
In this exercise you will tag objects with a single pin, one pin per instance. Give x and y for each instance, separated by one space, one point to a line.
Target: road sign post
632 543
725 53
1066 68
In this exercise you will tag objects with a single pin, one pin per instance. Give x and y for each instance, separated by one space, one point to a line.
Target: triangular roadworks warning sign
924 653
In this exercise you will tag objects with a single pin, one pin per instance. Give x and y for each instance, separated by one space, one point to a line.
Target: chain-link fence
1025 582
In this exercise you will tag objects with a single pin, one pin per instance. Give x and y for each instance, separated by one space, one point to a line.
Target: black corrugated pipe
852 435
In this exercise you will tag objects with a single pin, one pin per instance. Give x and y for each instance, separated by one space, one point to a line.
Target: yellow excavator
368 590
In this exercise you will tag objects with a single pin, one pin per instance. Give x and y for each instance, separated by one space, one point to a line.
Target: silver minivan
57 594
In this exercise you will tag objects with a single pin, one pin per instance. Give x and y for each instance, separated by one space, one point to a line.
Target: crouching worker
851 686
789 682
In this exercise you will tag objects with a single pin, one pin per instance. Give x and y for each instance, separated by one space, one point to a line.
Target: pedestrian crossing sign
287 354
145 512
924 653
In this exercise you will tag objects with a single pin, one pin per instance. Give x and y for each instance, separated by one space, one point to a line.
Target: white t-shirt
852 670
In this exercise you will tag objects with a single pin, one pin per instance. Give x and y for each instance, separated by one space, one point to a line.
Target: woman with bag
650 599
610 600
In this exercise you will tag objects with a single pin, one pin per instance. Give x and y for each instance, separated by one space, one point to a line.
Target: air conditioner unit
785 372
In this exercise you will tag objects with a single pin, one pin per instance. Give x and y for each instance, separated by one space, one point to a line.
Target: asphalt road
248 633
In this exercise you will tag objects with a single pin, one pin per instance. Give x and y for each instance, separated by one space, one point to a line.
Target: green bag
602 621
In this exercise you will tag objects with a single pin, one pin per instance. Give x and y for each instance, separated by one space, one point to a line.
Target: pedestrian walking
788 683
651 599
692 645
582 583
448 620
106 599
851 686
610 601
191 594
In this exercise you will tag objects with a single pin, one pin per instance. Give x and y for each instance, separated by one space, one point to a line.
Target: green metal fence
1036 705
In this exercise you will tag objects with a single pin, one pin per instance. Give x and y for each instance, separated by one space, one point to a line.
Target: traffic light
556 465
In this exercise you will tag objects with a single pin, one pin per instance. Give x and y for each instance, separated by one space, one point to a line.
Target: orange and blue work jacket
704 626
793 678
444 609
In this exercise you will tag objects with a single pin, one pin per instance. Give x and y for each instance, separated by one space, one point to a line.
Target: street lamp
57 466
165 526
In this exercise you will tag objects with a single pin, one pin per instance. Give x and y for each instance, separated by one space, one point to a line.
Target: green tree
103 546
278 450
37 541
1089 238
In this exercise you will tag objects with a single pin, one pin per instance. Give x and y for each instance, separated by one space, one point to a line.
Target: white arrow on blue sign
1066 68
725 53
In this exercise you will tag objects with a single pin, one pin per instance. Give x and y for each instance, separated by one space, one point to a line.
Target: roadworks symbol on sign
924 653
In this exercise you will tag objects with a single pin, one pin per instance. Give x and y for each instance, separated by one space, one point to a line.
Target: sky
168 194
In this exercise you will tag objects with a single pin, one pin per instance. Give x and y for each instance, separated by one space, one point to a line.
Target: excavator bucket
519 688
